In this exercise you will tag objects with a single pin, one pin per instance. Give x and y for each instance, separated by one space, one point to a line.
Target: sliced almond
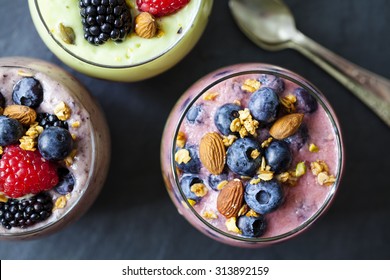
24 114
230 199
286 126
212 152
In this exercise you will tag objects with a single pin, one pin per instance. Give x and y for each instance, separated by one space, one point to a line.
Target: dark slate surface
133 218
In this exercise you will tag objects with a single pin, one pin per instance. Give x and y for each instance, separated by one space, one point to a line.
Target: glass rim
315 92
89 62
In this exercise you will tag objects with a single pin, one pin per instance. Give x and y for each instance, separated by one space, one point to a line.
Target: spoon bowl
273 20
271 25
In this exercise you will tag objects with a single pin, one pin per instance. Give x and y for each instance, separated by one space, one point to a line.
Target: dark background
133 218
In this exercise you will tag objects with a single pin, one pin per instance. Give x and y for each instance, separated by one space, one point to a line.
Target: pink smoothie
302 201
87 125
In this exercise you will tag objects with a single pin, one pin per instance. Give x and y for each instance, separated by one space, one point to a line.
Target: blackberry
47 120
105 19
26 212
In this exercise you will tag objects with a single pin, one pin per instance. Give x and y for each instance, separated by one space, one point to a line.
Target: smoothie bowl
252 155
120 40
54 148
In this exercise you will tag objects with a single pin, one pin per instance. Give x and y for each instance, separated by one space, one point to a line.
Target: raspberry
25 172
161 8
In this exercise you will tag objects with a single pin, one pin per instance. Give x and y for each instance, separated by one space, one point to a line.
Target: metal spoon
271 25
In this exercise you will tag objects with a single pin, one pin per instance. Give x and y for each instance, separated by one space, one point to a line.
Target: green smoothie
135 58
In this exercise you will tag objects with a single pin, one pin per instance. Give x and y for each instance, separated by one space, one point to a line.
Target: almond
145 25
212 152
230 199
286 126
24 114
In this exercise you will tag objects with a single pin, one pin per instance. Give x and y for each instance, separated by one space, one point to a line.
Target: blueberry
264 105
10 131
2 100
186 182
264 197
193 166
66 182
28 91
252 226
299 138
193 114
276 83
55 143
278 156
214 180
224 116
238 157
306 103
222 73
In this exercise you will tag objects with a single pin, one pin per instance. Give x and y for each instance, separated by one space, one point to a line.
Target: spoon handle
370 88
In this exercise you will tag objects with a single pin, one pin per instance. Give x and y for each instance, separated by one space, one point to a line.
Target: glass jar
307 184
133 59
80 174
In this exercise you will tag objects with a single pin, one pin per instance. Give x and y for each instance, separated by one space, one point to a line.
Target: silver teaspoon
271 25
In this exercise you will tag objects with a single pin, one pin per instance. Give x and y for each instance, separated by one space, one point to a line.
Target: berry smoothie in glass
120 40
54 148
252 154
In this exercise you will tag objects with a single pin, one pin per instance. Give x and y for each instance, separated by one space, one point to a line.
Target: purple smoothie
304 197
87 125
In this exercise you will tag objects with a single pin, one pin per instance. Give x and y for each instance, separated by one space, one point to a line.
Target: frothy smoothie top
59 112
257 156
